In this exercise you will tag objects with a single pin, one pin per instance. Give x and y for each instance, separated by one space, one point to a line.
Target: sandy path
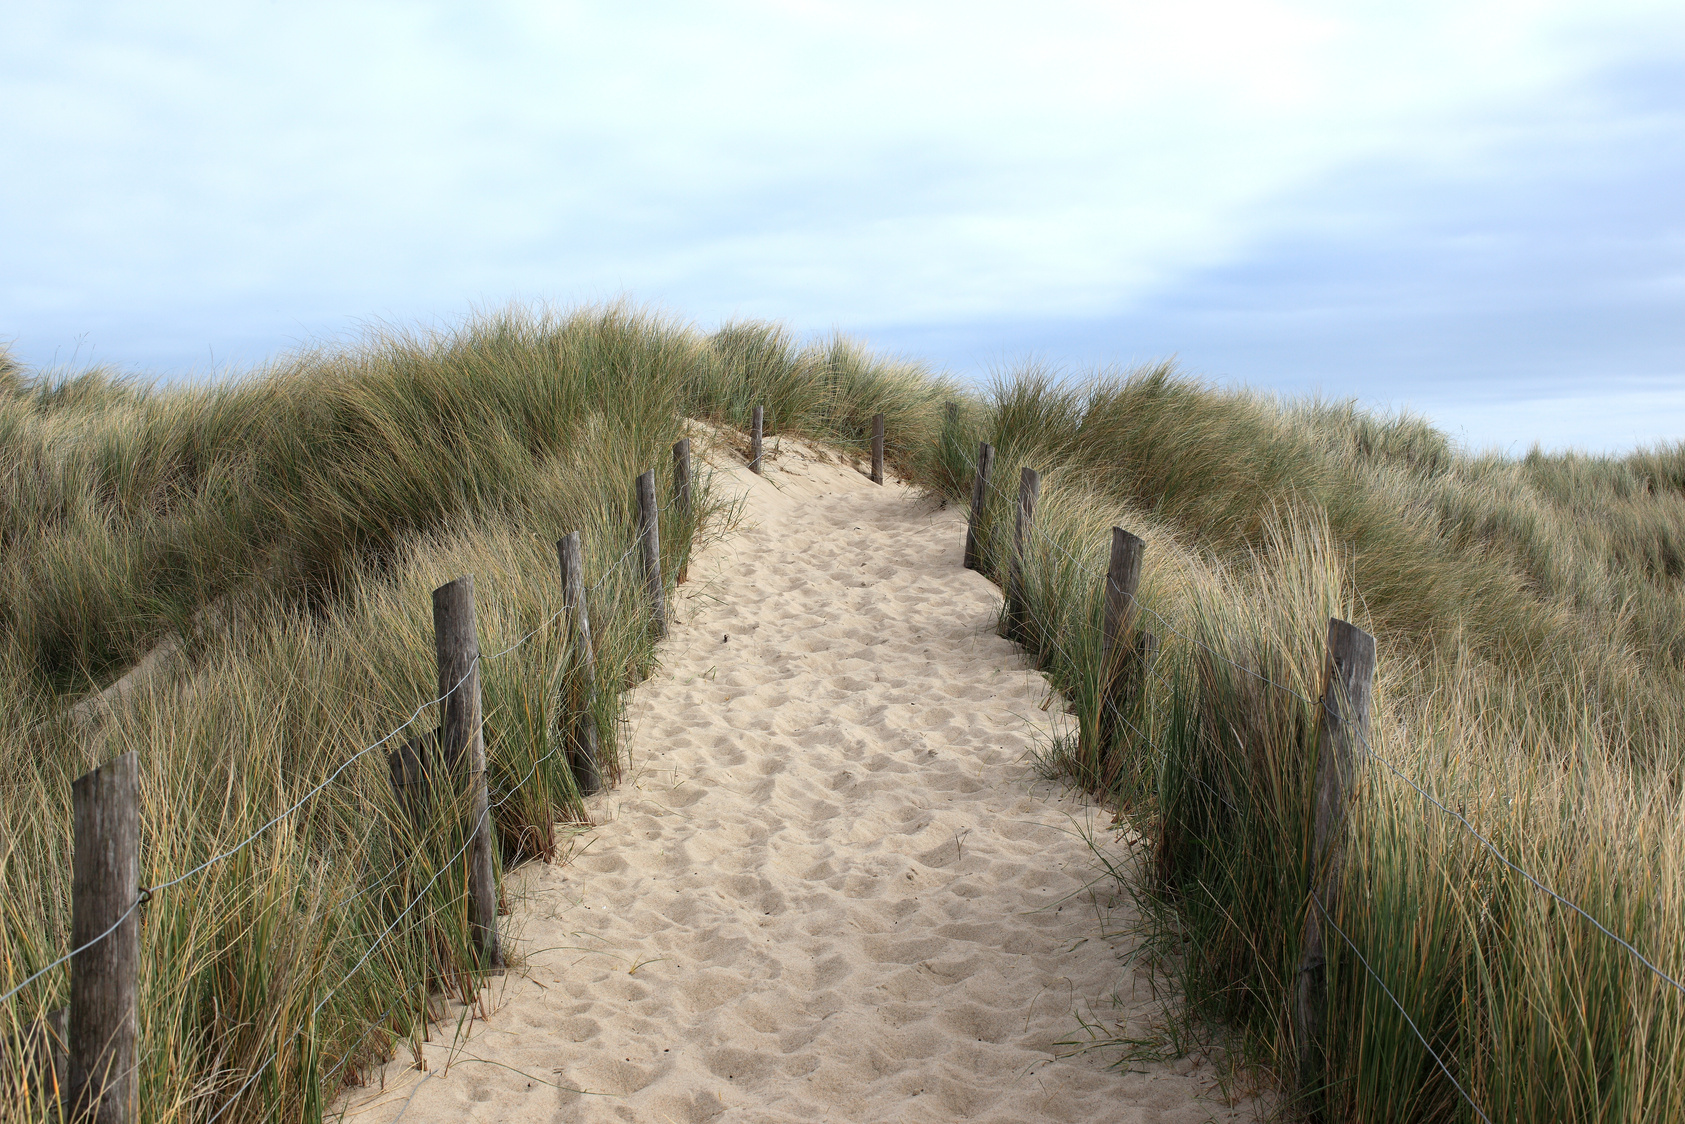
833 888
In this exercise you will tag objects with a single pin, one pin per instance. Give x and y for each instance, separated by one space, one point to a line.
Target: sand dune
833 887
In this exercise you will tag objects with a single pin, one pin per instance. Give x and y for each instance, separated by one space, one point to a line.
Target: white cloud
861 163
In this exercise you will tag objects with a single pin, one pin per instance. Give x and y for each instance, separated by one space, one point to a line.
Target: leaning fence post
681 500
456 644
581 689
104 1081
877 448
979 501
1341 737
755 441
1017 596
649 532
1119 652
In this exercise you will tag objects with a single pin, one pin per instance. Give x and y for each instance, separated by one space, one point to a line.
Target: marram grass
1528 616
288 528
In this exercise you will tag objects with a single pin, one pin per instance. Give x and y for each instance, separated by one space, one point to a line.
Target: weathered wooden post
580 689
979 502
649 533
681 500
1017 595
104 1080
456 644
755 441
1341 734
1120 657
877 448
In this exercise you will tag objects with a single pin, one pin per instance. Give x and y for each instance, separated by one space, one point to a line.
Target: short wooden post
1120 656
103 1075
1017 594
1342 731
456 644
580 690
979 502
877 448
681 500
755 441
649 533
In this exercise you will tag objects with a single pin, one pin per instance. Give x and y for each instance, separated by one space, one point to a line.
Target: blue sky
1467 209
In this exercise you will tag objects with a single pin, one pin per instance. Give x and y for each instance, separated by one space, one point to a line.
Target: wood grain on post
1341 735
649 533
580 690
462 741
1120 655
755 441
877 448
681 501
104 1079
979 505
1017 597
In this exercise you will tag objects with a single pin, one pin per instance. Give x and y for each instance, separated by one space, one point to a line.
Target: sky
1470 210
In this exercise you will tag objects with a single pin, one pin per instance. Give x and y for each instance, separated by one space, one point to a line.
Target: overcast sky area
1468 209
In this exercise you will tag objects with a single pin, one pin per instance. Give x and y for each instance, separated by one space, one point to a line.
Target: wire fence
145 894
1048 632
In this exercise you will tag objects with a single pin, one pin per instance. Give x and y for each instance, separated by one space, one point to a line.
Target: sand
833 886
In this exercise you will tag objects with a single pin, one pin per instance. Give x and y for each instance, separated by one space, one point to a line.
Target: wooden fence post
877 448
979 502
104 1079
681 500
649 531
456 644
1341 733
581 685
755 442
1017 596
1120 654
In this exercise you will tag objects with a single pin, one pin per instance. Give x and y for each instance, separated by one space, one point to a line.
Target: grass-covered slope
1530 616
284 530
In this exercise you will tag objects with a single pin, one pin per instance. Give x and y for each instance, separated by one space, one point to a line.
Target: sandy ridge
834 888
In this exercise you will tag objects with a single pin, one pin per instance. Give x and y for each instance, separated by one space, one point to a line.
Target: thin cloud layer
194 181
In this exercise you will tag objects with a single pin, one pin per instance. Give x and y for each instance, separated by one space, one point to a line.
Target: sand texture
832 887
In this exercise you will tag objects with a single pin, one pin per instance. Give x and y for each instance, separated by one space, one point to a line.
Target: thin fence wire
1445 1069
256 1073
134 905
413 718
146 893
1507 861
1036 530
419 896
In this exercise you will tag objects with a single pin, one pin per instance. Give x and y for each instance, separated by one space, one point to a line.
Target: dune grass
280 533
284 530
1529 614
